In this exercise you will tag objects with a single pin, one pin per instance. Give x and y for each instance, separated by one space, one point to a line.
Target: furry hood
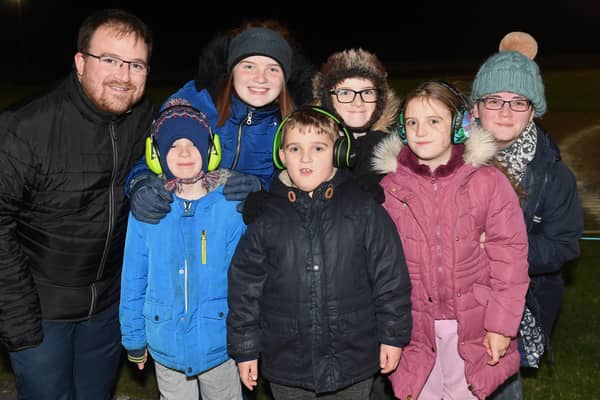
358 63
212 70
221 175
480 149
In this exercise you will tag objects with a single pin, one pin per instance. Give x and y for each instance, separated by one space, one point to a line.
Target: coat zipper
111 215
203 240
247 121
185 284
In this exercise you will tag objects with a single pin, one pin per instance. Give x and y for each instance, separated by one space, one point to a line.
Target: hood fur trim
284 177
223 175
480 149
358 63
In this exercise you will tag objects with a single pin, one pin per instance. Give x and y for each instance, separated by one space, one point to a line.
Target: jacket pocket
214 315
481 293
160 330
158 313
281 343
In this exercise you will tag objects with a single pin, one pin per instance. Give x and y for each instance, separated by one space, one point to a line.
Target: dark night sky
423 32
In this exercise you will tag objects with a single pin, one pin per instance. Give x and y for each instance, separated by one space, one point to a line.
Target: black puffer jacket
315 286
63 211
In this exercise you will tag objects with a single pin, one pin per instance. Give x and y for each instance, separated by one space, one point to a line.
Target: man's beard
106 100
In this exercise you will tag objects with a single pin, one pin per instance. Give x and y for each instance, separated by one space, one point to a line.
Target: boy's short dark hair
309 117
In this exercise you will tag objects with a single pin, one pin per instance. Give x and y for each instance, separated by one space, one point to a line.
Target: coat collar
480 149
85 105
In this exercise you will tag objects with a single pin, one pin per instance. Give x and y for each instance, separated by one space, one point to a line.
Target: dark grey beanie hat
263 42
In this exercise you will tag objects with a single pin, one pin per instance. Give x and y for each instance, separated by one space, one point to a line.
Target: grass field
575 374
566 89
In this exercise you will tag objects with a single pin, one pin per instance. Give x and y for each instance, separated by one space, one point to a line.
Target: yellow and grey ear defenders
343 153
460 124
153 159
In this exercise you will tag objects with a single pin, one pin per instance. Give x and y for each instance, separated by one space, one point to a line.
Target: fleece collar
480 149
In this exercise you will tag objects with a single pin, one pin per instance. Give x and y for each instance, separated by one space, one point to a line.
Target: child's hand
389 358
496 346
141 364
136 357
249 373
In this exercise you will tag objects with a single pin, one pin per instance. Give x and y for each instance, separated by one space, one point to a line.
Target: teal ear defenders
153 156
344 154
461 123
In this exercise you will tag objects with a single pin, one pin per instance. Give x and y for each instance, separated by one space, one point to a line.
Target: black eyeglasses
348 95
114 63
493 103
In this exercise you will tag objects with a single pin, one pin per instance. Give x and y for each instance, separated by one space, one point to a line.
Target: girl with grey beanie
508 93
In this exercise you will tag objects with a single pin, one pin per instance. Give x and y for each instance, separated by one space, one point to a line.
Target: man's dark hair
125 22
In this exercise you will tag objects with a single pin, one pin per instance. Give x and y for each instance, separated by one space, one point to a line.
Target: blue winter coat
247 135
174 283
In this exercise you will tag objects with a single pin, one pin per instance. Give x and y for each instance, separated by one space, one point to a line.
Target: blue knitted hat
181 121
511 71
263 42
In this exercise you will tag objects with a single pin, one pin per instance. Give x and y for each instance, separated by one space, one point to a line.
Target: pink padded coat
440 217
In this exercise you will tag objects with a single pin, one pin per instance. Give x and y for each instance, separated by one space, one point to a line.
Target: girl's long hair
226 90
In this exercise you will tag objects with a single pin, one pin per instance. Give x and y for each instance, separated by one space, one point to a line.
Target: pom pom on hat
512 70
522 42
180 120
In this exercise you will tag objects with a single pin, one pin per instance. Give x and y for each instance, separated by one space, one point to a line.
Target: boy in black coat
318 286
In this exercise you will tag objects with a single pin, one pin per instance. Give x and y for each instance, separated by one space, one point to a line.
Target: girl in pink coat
465 245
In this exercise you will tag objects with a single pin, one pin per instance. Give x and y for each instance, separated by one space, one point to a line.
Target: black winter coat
316 284
63 211
554 220
368 179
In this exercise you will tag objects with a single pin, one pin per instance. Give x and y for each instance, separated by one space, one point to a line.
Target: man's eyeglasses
493 103
348 95
115 63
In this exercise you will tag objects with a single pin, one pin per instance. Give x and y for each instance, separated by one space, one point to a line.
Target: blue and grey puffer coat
174 283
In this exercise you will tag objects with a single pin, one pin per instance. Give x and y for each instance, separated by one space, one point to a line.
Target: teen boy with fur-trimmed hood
353 83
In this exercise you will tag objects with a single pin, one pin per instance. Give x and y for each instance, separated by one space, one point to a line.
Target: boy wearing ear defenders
174 281
318 287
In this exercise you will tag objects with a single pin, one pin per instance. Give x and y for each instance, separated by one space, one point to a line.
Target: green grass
12 93
574 375
566 90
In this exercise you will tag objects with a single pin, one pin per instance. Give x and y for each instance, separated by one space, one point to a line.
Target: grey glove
150 200
239 185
